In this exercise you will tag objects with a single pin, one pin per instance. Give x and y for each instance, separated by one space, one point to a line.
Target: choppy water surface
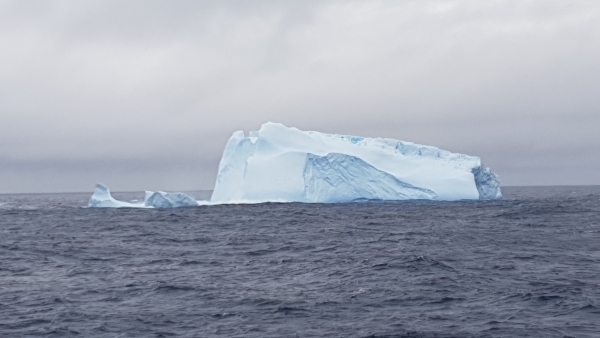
526 266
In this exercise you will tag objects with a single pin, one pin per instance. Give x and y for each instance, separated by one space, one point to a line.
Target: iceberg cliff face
488 184
281 164
343 178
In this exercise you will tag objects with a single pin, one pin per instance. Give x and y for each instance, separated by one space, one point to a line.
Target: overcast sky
144 94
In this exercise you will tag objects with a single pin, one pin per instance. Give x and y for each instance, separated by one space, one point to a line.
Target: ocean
524 266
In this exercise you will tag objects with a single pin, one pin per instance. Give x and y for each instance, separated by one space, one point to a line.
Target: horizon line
206 190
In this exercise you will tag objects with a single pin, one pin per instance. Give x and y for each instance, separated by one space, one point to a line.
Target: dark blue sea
524 266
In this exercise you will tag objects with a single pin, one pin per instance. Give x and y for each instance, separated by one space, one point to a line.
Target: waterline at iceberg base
281 164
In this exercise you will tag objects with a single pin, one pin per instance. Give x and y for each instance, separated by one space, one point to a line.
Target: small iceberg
103 199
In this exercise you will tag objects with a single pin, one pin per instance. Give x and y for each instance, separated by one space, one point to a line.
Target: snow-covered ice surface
281 164
102 198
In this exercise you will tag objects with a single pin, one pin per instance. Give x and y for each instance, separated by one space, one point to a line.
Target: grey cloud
91 87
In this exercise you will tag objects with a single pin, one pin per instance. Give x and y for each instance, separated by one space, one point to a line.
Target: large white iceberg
281 164
102 198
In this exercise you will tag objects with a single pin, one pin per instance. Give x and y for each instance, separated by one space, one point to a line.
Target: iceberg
102 198
281 164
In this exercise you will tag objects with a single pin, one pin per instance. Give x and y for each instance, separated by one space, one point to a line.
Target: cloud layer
144 94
